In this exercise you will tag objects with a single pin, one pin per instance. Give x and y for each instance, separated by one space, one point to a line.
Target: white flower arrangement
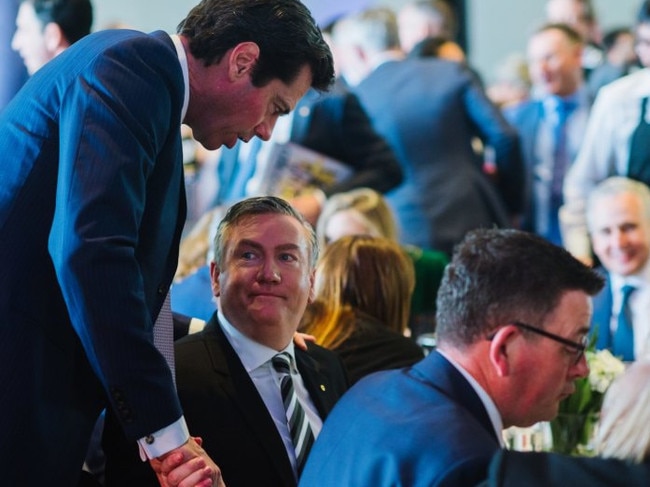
603 369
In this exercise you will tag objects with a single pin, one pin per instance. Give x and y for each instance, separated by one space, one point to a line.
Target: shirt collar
488 403
251 353
182 58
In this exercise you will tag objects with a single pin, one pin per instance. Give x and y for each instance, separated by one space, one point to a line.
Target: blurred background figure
618 216
616 142
364 211
619 59
12 70
551 124
362 291
420 19
581 16
45 28
430 111
511 82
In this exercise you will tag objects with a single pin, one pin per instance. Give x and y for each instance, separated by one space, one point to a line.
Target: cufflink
149 439
322 387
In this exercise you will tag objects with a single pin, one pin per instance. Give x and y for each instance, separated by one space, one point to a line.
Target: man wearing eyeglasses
513 313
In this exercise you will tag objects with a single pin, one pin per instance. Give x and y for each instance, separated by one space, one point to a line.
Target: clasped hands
187 466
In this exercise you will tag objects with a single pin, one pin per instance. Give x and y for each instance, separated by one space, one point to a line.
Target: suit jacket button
149 439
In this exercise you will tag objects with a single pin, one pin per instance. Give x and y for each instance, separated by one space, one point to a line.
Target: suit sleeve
113 121
497 133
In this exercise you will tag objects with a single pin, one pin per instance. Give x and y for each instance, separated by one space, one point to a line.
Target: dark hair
427 47
261 205
74 17
500 276
611 37
568 31
284 30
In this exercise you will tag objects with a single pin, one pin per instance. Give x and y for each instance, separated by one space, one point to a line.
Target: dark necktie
561 157
623 343
561 162
639 161
301 433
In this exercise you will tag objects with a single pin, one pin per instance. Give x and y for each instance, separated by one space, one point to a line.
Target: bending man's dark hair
284 30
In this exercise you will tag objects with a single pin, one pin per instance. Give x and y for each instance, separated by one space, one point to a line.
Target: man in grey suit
430 111
91 211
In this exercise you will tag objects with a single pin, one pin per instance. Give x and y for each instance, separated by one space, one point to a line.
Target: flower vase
573 433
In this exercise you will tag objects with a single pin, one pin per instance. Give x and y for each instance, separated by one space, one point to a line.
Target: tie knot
282 363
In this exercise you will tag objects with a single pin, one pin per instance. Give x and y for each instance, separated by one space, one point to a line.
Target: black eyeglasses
578 349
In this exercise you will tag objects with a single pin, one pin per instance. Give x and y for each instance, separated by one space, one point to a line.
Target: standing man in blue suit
618 217
91 210
511 307
551 124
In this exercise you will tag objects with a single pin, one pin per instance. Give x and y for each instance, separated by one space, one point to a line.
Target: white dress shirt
256 359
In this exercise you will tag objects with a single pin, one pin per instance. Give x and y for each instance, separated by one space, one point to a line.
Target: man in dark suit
551 124
430 111
511 306
262 273
91 209
618 217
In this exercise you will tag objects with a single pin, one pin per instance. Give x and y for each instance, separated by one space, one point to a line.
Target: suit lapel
316 383
244 395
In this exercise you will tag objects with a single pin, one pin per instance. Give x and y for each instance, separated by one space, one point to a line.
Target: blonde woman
364 211
362 290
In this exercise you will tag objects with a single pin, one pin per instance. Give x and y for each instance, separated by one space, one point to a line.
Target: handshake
187 466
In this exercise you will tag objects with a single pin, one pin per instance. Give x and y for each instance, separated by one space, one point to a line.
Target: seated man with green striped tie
258 401
618 217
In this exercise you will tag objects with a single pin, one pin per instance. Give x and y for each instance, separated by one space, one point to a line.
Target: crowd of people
245 231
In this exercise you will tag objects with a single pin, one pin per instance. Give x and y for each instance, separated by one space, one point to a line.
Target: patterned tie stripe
301 433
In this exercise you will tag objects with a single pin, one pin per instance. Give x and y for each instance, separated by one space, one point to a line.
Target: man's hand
187 466
300 340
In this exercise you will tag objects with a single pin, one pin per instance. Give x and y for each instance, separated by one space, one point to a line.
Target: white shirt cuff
164 440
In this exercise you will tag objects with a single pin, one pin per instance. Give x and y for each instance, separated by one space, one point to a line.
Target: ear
214 279
242 59
55 41
501 348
